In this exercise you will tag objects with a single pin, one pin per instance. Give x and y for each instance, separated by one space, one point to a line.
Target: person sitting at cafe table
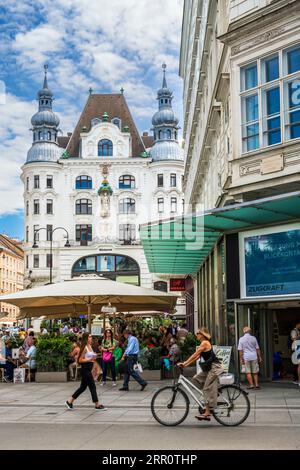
10 363
31 358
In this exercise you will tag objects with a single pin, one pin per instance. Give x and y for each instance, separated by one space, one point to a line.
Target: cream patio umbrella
86 295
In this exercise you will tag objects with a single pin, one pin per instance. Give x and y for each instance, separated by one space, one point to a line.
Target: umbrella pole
89 306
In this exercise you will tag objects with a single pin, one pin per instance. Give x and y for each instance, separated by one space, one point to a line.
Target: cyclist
207 379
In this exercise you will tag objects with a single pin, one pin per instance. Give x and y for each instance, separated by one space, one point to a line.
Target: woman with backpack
109 344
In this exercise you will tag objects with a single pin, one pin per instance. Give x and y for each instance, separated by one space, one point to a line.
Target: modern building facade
240 64
11 275
85 194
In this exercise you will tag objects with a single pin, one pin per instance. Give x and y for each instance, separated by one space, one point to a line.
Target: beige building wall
11 275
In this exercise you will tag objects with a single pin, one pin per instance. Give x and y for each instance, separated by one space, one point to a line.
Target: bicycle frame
187 385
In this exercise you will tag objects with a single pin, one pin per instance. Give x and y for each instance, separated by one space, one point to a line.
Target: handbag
206 365
107 356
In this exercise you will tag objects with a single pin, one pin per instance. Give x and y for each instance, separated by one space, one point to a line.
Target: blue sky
103 44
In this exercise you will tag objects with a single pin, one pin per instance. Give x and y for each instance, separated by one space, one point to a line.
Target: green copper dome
105 188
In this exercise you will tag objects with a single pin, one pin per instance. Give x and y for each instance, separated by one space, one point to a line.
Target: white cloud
104 44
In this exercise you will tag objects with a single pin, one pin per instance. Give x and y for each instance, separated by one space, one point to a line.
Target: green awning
180 245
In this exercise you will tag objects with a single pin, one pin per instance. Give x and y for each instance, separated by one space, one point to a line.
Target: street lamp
35 245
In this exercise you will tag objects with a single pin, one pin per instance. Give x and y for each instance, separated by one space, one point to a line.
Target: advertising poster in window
270 263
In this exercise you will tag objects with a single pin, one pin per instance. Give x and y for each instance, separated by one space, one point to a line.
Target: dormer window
95 121
117 122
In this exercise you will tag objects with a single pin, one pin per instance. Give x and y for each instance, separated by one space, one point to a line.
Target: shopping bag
138 367
19 376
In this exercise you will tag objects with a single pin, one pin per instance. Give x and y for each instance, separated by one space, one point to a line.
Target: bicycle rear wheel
170 406
233 406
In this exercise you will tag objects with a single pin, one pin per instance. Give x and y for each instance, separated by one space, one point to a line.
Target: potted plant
51 357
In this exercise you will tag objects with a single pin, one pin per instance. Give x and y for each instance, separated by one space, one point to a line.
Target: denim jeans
105 365
130 361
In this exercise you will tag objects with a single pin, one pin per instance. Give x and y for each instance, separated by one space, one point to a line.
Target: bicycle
170 405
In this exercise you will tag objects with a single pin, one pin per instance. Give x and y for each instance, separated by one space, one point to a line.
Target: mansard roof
115 106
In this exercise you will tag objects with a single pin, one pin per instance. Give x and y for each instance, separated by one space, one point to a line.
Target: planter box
45 377
149 375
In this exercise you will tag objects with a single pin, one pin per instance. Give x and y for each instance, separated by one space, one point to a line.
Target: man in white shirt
250 357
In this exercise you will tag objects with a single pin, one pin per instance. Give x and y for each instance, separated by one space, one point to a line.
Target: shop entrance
271 323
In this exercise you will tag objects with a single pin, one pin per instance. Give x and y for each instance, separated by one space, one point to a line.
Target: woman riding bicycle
207 379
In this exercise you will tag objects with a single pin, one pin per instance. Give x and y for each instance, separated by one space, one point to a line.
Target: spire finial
90 90
122 91
164 66
45 78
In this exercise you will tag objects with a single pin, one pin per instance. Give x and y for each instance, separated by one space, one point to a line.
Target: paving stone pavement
273 405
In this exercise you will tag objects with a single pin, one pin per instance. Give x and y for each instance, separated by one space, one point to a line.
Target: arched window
127 206
40 135
115 267
105 148
116 122
95 121
83 206
126 182
49 135
83 182
169 134
159 134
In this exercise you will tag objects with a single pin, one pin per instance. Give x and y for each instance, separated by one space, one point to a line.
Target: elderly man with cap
207 379
250 356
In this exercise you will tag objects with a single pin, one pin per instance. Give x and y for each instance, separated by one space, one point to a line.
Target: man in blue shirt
131 356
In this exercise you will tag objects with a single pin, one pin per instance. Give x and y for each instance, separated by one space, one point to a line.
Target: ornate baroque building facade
89 191
240 64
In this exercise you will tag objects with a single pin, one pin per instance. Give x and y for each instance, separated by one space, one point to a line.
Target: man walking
131 357
250 356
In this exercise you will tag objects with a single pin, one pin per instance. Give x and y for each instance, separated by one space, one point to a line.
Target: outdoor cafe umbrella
86 296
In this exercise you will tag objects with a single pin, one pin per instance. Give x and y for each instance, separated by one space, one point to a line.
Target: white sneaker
296 382
102 383
114 384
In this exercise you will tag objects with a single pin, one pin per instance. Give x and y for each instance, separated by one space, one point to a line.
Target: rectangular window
36 234
27 183
27 207
36 206
265 111
249 76
49 260
27 234
160 181
272 122
251 124
292 98
270 69
160 204
49 181
49 206
126 233
173 180
293 60
36 261
49 229
36 182
173 204
83 234
27 261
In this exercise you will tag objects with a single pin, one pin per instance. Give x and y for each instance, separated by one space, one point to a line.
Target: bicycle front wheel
170 406
233 406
